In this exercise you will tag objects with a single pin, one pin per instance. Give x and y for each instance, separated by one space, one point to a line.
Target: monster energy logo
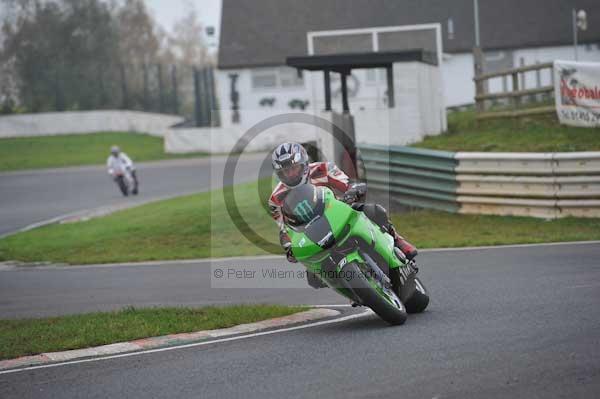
304 211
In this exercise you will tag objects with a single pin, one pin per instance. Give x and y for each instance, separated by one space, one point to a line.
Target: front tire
393 314
419 300
122 186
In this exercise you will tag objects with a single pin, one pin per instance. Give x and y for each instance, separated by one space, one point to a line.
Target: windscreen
303 204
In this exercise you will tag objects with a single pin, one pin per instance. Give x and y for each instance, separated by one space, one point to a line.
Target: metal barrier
547 185
413 177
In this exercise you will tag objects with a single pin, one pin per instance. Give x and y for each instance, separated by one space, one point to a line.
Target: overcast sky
167 12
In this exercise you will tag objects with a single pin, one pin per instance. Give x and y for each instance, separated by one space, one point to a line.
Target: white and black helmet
290 162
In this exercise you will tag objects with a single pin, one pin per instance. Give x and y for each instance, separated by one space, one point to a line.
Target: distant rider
119 163
290 162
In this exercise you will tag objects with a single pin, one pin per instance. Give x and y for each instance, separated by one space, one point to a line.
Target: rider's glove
288 253
290 256
284 240
356 192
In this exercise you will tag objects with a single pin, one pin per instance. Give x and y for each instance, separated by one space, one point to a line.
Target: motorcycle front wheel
412 292
392 312
419 300
122 185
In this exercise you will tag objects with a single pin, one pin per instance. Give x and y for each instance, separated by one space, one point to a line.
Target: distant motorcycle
124 180
120 168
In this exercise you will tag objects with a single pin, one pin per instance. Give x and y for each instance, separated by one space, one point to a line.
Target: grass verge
198 226
436 229
194 226
528 134
78 149
34 336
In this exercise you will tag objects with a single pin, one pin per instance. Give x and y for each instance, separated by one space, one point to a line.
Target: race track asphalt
515 322
29 197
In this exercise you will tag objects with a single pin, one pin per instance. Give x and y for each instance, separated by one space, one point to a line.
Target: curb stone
166 340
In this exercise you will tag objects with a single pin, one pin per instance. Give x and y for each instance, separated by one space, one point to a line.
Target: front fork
370 269
403 280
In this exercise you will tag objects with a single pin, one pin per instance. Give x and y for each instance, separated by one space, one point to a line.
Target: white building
258 35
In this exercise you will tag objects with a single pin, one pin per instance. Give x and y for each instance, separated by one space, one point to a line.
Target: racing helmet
290 162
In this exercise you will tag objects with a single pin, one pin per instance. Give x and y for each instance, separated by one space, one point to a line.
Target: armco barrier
547 185
413 177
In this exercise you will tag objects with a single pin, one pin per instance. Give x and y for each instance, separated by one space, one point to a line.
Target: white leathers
119 164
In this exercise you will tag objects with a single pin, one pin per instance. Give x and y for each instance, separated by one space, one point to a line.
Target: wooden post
479 84
522 81
553 83
538 82
515 87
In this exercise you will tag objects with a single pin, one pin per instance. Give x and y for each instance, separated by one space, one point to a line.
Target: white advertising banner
577 93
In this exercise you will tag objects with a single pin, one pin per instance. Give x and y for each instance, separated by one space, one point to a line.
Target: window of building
264 78
371 75
376 75
288 77
270 78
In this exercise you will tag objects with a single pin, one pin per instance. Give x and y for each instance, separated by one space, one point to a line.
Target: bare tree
138 42
187 41
94 54
11 13
53 52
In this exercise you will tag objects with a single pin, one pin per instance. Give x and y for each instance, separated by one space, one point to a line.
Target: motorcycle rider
290 162
118 163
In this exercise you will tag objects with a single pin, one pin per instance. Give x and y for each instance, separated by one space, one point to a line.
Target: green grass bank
199 226
528 134
34 336
79 149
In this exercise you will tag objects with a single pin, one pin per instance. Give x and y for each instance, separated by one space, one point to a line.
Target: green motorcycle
350 253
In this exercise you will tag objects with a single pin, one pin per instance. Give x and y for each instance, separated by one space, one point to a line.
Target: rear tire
394 315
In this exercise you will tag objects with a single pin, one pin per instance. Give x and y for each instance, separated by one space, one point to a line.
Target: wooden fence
515 95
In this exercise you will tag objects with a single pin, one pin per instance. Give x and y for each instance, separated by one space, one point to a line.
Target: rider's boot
409 250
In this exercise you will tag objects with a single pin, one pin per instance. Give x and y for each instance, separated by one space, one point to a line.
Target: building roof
265 32
346 62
